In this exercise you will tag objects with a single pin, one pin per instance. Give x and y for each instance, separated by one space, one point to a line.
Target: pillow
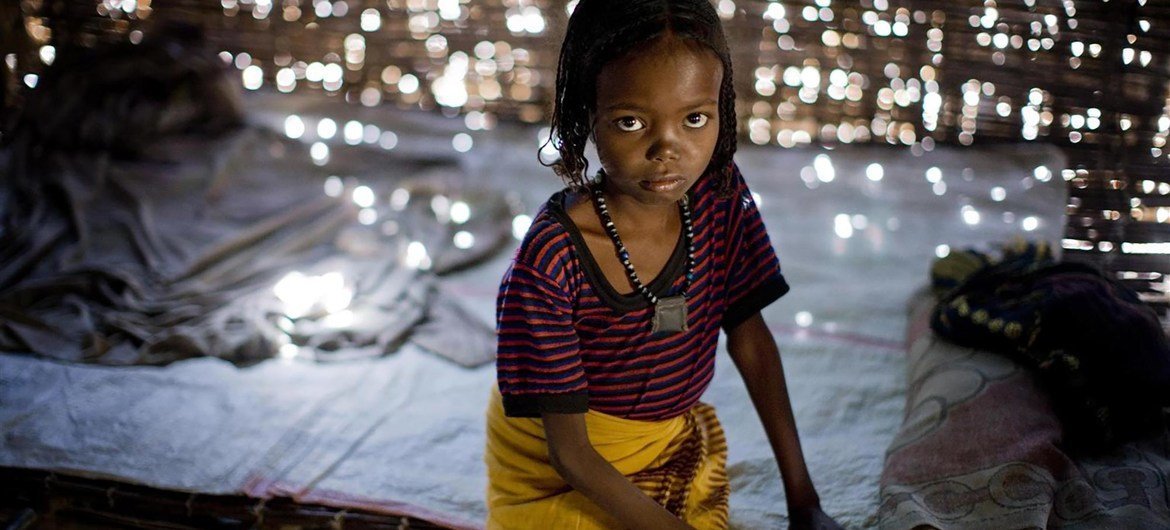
978 447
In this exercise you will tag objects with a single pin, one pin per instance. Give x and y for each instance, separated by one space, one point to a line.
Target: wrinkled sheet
176 255
404 433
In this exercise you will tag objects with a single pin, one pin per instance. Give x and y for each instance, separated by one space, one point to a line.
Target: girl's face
657 120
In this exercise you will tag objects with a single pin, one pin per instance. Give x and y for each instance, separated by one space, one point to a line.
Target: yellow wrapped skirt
679 462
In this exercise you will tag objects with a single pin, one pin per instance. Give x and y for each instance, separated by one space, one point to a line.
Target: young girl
609 315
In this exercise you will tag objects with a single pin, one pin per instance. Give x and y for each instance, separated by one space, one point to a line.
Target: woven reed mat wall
1088 75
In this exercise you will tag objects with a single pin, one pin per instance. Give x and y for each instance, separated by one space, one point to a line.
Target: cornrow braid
601 31
725 147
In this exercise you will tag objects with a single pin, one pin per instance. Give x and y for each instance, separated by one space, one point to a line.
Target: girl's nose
664 148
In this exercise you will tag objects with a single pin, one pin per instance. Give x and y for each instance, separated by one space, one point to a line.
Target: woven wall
1088 75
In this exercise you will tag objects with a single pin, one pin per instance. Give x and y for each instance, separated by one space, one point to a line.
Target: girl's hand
812 518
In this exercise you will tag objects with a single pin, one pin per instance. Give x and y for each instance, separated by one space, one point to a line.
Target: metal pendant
670 315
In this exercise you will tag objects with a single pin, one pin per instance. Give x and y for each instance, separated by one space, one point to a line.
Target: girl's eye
628 124
696 120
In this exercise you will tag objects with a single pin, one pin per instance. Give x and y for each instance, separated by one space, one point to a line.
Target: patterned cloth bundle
1096 348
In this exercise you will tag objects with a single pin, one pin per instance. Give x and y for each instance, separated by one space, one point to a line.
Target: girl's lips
662 185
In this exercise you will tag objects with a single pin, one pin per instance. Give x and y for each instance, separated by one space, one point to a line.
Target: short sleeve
538 363
754 279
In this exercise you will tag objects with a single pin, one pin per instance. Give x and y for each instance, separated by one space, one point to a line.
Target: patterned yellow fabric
680 463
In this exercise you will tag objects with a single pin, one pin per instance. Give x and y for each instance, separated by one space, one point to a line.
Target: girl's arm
757 358
574 457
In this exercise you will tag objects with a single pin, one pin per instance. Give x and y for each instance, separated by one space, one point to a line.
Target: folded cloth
1098 350
679 462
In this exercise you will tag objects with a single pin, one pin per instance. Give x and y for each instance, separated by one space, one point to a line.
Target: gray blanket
144 223
177 255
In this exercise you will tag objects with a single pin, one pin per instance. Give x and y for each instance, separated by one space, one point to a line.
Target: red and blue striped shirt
569 342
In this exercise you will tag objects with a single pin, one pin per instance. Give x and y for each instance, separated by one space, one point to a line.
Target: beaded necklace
670 313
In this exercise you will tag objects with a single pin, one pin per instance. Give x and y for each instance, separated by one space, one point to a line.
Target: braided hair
601 31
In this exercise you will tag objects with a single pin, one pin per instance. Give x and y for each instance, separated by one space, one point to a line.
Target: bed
400 431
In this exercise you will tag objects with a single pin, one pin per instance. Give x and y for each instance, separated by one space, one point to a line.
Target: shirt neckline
661 285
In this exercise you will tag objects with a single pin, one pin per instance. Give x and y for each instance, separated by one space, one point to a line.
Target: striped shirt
569 342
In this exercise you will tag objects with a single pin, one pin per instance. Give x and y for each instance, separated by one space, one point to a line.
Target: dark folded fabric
1095 346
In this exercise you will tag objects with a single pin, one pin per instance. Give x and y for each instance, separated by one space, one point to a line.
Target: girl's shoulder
547 238
577 208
